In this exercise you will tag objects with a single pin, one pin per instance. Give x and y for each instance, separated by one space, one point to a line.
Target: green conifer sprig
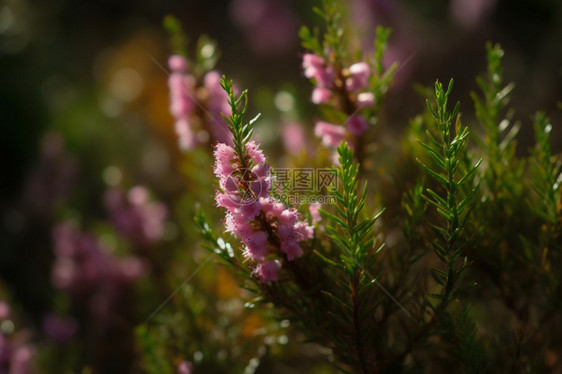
353 234
446 149
333 41
350 232
381 78
546 171
503 170
241 132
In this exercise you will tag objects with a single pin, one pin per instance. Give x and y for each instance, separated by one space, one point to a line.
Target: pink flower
223 157
186 137
249 210
217 104
181 91
469 13
228 201
261 170
359 76
4 310
304 231
255 153
185 367
229 183
267 204
22 360
261 187
293 138
311 63
331 134
267 271
178 63
288 216
357 125
238 225
321 95
315 67
132 268
286 233
314 210
251 206
135 216
291 249
255 245
270 25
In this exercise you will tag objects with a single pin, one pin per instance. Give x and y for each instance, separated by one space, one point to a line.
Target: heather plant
462 276
372 246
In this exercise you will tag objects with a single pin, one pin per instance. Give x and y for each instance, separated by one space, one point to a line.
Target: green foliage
371 307
241 132
206 54
178 38
503 170
381 79
350 233
333 39
445 148
546 172
467 348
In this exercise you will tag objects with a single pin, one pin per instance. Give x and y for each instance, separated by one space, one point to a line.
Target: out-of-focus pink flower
321 95
135 216
16 356
22 360
268 270
357 125
314 210
358 76
59 329
311 63
92 276
293 138
469 13
182 89
217 104
186 95
331 134
185 367
315 68
186 137
269 25
4 310
178 63
132 268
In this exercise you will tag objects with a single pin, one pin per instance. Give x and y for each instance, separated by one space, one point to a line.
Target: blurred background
84 116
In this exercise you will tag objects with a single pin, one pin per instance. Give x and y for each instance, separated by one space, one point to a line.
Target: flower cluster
135 216
16 355
346 86
90 274
196 105
266 227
